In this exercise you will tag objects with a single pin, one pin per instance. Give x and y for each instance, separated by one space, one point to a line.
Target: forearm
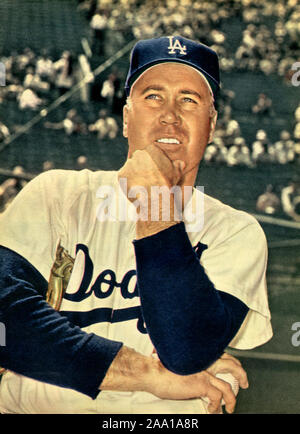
189 321
147 228
130 371
41 343
151 226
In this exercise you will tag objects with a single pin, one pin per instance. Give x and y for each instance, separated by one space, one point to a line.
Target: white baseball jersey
69 208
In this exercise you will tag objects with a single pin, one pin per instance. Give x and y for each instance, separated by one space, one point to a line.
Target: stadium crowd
265 49
34 81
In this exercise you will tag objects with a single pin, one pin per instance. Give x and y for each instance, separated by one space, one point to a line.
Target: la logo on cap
176 45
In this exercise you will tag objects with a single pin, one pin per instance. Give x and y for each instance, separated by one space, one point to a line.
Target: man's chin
189 175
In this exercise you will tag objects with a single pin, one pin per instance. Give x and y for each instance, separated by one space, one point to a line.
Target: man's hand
211 387
151 167
146 169
228 364
131 371
200 385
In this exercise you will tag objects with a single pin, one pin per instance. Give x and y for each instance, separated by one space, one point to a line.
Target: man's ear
213 121
125 118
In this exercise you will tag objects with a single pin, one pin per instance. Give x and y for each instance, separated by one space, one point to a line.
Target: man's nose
169 114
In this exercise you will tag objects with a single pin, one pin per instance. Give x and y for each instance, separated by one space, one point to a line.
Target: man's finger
229 364
214 397
237 371
213 408
230 357
179 167
226 392
162 161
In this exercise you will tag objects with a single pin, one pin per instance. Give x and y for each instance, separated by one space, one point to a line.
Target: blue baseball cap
149 52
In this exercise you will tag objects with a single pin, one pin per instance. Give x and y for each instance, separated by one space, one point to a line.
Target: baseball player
116 298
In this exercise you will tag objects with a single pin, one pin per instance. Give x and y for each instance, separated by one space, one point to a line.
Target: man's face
171 106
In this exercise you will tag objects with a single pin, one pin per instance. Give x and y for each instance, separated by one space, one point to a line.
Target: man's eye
152 96
188 99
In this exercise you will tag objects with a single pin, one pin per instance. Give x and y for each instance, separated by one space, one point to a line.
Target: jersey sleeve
237 265
41 342
32 224
189 322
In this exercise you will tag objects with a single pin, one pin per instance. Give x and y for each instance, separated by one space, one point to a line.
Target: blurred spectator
217 152
72 123
297 152
47 165
296 132
88 7
292 25
64 68
45 67
112 93
119 95
98 26
33 80
268 202
4 132
290 199
225 100
10 92
11 187
239 154
22 61
211 153
28 99
108 90
260 146
284 149
9 63
82 162
222 153
232 131
263 105
267 66
105 126
297 114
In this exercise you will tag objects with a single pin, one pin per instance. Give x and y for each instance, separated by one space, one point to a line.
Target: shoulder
73 182
62 189
222 223
215 209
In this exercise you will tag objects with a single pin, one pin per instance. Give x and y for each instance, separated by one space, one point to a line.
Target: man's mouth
169 141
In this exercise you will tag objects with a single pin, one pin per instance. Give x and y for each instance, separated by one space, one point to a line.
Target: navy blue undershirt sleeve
40 342
189 322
